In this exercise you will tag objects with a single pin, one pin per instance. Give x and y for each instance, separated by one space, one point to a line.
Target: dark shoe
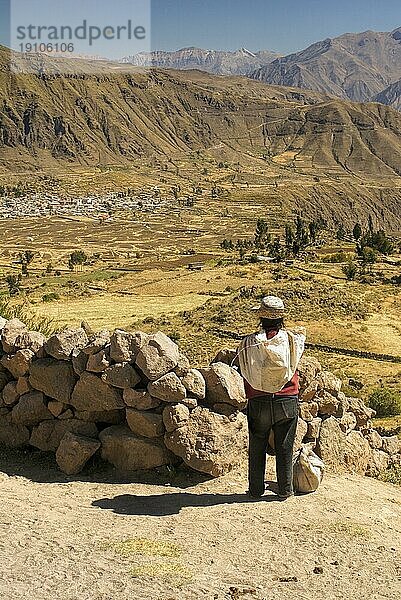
283 497
254 496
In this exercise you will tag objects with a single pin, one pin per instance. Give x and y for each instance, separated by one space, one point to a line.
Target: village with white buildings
45 205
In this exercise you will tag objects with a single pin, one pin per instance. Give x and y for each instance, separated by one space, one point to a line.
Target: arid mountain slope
297 149
117 117
240 62
391 95
357 66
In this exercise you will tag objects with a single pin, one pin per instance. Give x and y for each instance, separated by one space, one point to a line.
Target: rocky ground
103 537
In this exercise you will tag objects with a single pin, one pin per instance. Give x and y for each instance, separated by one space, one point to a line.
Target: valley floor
103 538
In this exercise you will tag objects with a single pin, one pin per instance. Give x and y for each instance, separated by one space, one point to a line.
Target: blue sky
284 25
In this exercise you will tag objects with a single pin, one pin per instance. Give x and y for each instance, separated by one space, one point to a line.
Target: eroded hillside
122 116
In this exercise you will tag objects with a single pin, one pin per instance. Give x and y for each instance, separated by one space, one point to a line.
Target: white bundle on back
268 364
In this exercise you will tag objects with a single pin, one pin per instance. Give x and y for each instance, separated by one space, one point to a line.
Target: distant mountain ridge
217 62
354 66
362 67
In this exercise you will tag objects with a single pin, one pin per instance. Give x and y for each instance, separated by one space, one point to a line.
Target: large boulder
308 393
332 445
342 452
362 412
327 403
379 461
56 407
328 382
93 394
121 375
9 334
130 452
225 355
74 451
124 346
374 438
347 422
31 340
343 405
97 342
308 410
167 388
79 361
54 378
195 384
183 366
23 386
13 435
48 434
18 364
391 444
60 345
98 363
10 394
208 442
157 356
358 453
140 399
145 423
224 385
308 369
174 416
31 410
314 428
2 323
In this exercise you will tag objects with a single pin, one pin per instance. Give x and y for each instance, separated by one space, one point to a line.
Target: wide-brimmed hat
271 307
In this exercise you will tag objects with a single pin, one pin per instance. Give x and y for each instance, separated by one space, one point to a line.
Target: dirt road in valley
106 537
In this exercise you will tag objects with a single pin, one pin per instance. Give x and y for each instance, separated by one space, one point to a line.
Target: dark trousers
280 414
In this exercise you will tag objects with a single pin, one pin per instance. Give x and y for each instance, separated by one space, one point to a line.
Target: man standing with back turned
268 362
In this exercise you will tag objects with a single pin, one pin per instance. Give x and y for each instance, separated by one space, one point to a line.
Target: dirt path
106 538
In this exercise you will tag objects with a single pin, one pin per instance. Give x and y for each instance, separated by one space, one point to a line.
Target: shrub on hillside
392 475
350 270
338 257
50 297
386 402
22 311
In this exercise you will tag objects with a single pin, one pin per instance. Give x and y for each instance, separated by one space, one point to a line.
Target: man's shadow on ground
161 505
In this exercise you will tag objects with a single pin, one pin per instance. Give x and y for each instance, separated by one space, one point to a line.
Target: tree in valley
25 259
289 237
377 240
369 257
301 233
357 231
276 250
262 236
78 257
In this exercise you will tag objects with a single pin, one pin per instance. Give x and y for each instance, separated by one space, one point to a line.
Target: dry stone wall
136 400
